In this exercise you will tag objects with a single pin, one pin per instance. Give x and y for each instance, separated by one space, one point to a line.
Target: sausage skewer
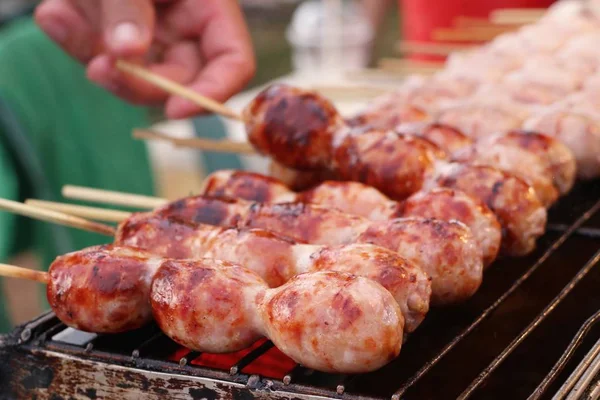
301 130
277 259
359 199
215 306
446 251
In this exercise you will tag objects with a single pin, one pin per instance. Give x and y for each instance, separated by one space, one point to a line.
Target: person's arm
203 44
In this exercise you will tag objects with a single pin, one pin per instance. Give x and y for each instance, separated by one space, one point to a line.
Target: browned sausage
277 259
359 199
216 306
435 246
522 216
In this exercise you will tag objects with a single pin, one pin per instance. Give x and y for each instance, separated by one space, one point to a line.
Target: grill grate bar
595 392
531 327
50 332
586 380
127 343
446 349
585 372
39 324
568 354
191 356
298 370
593 233
141 349
250 357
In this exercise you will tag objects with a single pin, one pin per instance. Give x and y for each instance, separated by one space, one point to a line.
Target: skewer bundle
325 316
217 306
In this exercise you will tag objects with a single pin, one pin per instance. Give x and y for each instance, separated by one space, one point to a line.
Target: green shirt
57 128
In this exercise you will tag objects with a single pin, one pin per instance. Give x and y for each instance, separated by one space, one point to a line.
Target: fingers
219 80
127 26
207 44
68 27
181 64
225 47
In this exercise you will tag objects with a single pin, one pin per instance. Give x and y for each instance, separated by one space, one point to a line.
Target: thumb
127 26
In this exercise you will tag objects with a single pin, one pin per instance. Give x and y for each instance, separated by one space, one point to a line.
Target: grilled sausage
447 138
299 129
277 259
216 306
559 161
452 243
520 162
478 119
294 126
546 158
328 321
102 289
299 180
358 199
395 165
580 132
522 216
447 205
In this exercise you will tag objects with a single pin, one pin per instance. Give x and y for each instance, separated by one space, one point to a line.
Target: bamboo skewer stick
478 22
177 89
11 271
400 63
221 146
112 197
434 49
474 34
517 15
55 217
95 213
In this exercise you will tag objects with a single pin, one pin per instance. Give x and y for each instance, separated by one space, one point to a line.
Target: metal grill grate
523 334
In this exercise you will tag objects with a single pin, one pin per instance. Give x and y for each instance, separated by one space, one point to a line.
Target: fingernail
125 33
56 30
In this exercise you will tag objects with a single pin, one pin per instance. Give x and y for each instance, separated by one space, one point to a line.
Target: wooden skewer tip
111 197
11 271
94 213
220 146
55 217
176 89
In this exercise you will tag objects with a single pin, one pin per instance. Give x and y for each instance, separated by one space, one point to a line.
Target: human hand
203 44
